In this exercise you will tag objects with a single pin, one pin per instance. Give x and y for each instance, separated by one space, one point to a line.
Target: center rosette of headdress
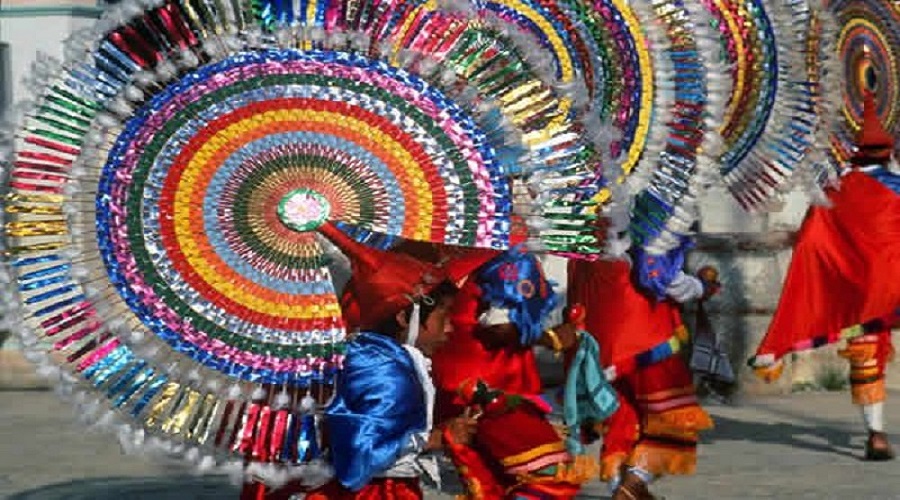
303 210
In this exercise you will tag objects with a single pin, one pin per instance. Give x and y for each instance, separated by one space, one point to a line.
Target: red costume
511 368
516 454
842 283
656 427
383 488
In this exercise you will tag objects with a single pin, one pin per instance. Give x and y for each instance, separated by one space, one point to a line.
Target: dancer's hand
566 334
710 277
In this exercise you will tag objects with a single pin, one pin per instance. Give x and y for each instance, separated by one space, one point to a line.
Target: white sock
645 476
873 416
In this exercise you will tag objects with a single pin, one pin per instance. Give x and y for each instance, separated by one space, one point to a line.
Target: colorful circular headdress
867 44
647 90
170 184
772 121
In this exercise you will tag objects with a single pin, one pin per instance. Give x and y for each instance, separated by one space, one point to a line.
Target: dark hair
444 290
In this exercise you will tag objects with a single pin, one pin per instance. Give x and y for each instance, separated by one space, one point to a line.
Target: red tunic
624 321
377 489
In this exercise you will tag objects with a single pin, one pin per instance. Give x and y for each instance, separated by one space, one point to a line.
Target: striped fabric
868 355
658 423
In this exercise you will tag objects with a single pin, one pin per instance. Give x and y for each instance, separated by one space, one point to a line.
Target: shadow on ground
135 488
819 437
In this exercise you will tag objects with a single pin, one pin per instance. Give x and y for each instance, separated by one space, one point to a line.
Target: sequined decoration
867 45
773 113
163 205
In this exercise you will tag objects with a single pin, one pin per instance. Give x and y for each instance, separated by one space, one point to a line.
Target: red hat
461 263
457 262
873 143
383 282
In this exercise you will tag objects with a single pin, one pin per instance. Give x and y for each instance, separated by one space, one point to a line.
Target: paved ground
803 447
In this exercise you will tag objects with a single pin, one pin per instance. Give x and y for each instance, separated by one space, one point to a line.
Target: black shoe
878 448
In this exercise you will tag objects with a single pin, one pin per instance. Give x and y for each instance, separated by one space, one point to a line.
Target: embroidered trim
533 454
673 345
872 326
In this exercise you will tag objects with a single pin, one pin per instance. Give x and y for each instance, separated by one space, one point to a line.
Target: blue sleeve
654 273
378 405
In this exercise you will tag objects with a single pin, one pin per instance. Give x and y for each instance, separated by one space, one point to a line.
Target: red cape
624 321
845 268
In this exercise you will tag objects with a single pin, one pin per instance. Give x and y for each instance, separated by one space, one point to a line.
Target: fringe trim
680 422
580 470
771 373
663 461
868 359
610 465
858 353
569 476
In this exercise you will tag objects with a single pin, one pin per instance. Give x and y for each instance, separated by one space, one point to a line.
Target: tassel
307 444
414 320
280 424
182 412
250 419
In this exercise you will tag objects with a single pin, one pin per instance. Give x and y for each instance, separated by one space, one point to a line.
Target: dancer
489 365
842 283
379 428
503 301
632 309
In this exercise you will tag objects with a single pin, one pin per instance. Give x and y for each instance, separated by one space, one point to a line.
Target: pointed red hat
383 282
461 262
873 143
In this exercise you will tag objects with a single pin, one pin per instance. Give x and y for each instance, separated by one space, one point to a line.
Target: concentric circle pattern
188 206
868 42
629 77
171 195
171 192
601 43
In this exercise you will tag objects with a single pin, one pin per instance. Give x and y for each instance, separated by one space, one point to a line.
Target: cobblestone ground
806 446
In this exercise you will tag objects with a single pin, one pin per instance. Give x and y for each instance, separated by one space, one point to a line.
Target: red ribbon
223 425
47 157
176 26
260 437
244 443
55 146
132 43
279 428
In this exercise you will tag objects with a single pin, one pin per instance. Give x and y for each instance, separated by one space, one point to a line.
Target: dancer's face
435 330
